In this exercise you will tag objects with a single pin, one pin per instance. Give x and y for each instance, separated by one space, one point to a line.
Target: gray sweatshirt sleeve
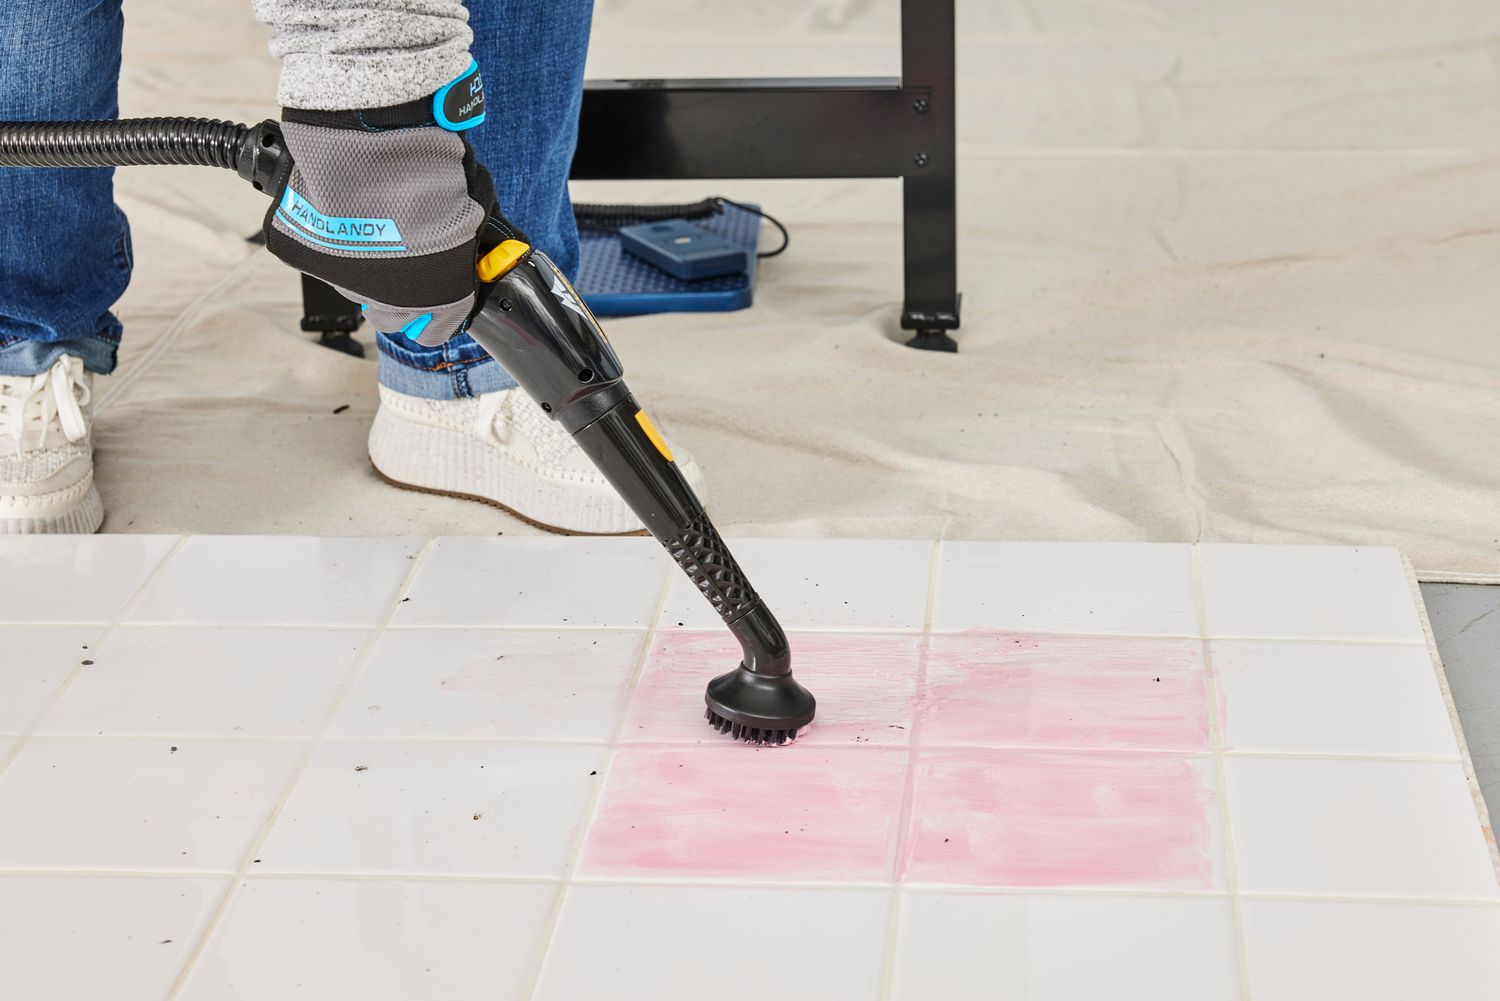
337 55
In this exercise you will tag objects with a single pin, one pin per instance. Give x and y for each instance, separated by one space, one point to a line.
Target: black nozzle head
759 708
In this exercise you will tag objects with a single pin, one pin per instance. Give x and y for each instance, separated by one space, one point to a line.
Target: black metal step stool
789 128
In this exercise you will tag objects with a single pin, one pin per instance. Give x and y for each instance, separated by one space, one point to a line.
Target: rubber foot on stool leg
933 340
342 340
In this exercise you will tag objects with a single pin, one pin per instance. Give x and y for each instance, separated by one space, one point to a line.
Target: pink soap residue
771 813
1033 690
1060 818
864 686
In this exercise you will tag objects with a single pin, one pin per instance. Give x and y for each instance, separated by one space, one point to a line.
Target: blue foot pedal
615 283
684 250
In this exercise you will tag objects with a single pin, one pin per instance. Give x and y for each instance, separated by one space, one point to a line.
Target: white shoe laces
30 403
501 415
484 416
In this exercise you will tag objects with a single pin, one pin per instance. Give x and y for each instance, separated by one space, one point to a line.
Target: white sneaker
500 448
46 457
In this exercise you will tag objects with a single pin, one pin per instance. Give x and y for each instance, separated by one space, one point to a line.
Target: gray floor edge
1466 624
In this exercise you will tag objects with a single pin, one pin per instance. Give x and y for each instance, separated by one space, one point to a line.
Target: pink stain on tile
1035 690
1061 818
864 686
738 812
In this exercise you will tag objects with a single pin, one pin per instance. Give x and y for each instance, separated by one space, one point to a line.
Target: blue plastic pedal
614 283
684 249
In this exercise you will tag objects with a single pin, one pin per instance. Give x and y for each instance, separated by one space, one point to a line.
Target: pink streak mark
1030 690
1059 818
782 813
864 686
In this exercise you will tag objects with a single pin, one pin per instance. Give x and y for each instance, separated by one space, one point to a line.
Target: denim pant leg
64 245
532 56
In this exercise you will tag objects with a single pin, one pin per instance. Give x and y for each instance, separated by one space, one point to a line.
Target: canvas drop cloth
1231 272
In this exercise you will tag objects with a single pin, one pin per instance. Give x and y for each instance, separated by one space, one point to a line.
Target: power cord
786 238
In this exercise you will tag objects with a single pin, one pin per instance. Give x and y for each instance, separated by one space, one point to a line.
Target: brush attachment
750 734
759 708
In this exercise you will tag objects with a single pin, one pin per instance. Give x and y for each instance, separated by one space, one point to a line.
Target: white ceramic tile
1001 689
74 578
1331 698
729 811
1046 819
841 584
278 580
492 683
374 940
435 809
208 681
100 803
67 937
33 664
978 947
539 582
731 944
1315 951
1357 827
1133 589
1308 592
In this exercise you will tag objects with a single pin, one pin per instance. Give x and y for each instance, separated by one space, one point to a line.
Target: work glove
387 204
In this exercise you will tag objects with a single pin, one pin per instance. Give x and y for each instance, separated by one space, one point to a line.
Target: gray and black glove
387 206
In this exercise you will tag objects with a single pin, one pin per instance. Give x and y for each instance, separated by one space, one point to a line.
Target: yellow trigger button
500 260
653 435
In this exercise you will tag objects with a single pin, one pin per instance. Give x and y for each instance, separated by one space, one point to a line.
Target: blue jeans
65 255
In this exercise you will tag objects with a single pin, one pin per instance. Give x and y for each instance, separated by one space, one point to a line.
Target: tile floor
381 769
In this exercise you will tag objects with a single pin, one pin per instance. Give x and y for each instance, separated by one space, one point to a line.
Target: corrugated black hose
252 151
189 142
208 142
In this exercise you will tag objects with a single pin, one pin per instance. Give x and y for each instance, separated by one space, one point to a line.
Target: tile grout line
1221 777
1424 759
1375 898
875 631
908 791
314 740
554 915
636 881
663 745
98 642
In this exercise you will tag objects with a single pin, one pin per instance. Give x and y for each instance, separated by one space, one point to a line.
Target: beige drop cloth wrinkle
1231 272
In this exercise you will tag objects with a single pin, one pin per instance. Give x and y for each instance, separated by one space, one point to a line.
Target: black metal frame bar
805 128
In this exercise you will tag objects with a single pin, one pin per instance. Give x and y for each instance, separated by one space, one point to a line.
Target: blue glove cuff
456 107
459 105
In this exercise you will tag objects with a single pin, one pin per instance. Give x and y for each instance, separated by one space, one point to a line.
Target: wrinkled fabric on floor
1229 274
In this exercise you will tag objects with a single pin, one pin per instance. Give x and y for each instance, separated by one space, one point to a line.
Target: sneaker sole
428 458
82 517
491 502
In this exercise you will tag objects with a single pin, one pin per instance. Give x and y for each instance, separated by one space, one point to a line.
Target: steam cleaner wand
533 323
